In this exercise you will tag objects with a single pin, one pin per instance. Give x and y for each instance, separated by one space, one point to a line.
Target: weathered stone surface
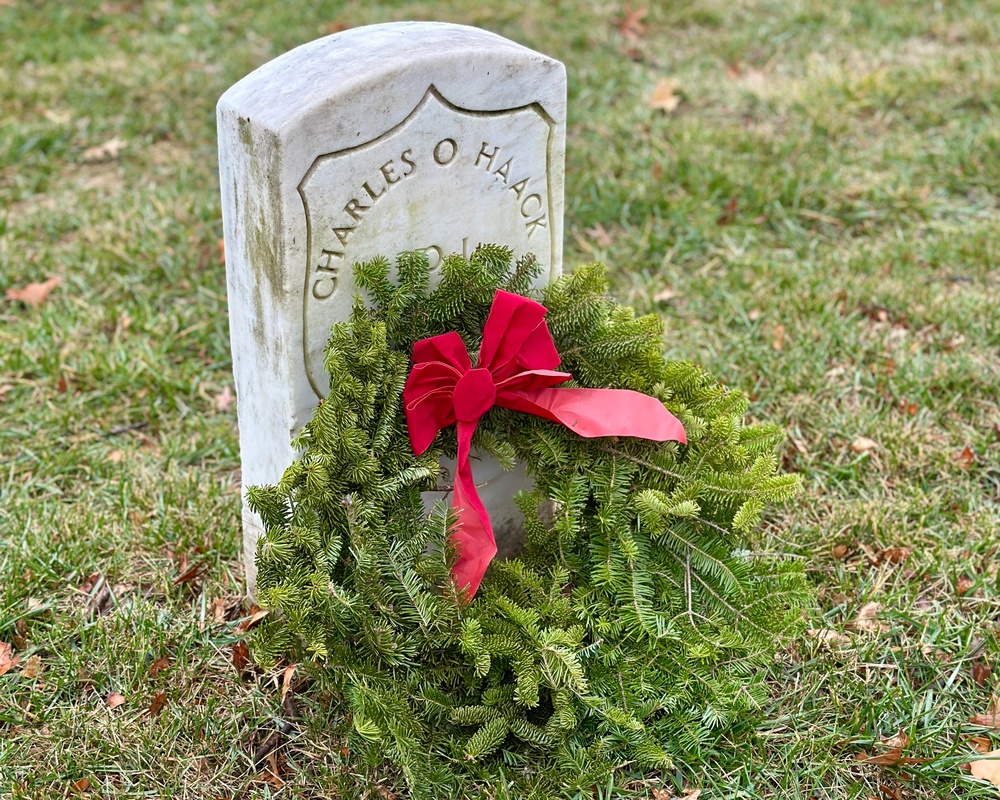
369 142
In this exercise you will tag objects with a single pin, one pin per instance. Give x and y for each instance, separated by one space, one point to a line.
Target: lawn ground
818 221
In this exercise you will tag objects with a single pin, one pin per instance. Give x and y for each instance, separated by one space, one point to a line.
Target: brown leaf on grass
224 399
867 619
896 555
80 786
967 458
991 719
115 699
286 681
241 657
256 615
159 701
115 456
987 768
337 26
662 794
384 793
828 637
981 672
863 444
630 24
900 740
32 667
107 151
191 573
963 585
599 234
158 666
778 340
34 294
664 295
728 215
219 610
664 96
889 758
839 552
981 744
7 658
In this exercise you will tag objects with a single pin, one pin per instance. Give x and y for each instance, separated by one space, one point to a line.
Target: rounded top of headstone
282 91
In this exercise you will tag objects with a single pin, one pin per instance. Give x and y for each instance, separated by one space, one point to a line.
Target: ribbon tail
473 536
600 412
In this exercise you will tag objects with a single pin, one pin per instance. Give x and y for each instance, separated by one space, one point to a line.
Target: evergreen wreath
634 628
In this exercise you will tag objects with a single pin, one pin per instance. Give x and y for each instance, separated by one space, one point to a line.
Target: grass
819 223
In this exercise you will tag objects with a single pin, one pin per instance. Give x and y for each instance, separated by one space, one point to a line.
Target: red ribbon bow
515 371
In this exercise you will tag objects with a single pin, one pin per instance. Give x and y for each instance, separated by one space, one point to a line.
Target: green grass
852 290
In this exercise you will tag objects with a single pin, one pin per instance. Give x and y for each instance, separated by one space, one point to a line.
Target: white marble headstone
370 142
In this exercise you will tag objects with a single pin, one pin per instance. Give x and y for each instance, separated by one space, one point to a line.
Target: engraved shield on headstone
443 180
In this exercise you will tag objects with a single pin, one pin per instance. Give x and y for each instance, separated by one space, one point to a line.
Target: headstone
403 136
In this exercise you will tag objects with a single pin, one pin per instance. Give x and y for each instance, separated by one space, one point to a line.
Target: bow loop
516 370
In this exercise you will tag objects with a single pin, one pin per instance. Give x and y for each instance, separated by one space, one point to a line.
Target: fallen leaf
224 399
630 24
840 552
108 151
988 768
863 444
867 619
728 215
34 294
115 699
80 785
778 342
662 794
35 605
115 456
7 658
900 740
32 667
192 573
159 701
664 295
828 637
889 758
991 719
664 96
337 26
963 585
966 458
982 744
158 666
241 656
256 615
981 672
896 555
286 681
219 611
600 235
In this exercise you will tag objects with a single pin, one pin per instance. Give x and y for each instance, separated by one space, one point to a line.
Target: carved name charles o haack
399 192
404 136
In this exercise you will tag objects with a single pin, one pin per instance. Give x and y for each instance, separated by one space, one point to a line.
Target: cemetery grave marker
373 141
